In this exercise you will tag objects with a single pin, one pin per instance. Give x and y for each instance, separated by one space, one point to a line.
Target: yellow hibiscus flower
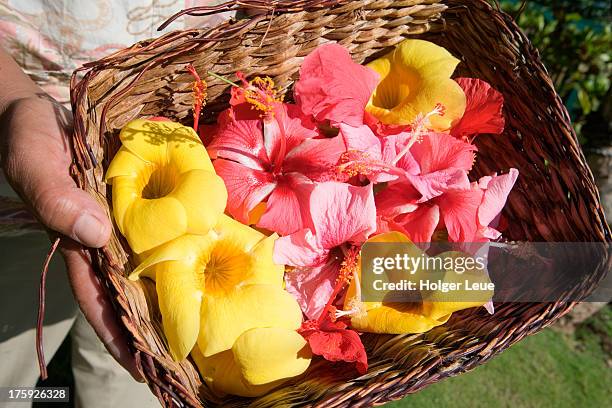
163 184
414 78
435 308
223 291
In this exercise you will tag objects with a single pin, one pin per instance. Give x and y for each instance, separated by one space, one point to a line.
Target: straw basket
555 198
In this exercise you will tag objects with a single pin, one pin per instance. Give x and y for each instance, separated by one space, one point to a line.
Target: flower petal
314 158
415 77
161 143
186 152
484 109
242 237
125 163
312 286
435 184
495 196
240 141
420 224
447 93
148 139
124 192
222 375
265 270
225 318
389 317
439 305
150 223
395 318
289 125
245 187
203 196
333 87
180 295
439 151
180 249
335 343
342 213
361 139
285 209
269 354
395 144
397 198
299 249
459 209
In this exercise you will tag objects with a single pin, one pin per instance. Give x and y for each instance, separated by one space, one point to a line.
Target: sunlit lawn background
549 369
555 368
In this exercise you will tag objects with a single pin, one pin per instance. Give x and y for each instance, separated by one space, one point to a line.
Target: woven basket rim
131 68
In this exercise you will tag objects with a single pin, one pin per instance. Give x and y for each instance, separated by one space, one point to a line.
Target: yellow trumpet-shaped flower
435 308
415 79
163 184
260 360
218 290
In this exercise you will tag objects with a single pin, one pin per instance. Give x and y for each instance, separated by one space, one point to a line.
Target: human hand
35 156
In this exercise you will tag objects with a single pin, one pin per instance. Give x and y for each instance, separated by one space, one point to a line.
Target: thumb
70 211
36 160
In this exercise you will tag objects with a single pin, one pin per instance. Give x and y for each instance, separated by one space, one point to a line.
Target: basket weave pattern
555 198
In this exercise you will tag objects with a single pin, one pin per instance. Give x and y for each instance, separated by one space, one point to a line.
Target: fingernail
90 231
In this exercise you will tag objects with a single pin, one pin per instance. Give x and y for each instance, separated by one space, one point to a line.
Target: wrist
14 83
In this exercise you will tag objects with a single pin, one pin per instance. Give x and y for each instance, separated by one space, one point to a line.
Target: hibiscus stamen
419 127
356 309
422 123
346 313
280 158
346 273
354 162
199 95
261 93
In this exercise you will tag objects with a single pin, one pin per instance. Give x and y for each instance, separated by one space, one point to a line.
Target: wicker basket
555 202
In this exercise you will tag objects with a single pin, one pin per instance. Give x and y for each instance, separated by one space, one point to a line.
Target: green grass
549 369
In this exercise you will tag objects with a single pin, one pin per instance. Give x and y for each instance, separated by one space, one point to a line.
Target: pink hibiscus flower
333 87
435 164
341 215
379 159
467 212
272 159
439 190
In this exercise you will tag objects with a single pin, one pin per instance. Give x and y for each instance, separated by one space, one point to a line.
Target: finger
97 308
37 160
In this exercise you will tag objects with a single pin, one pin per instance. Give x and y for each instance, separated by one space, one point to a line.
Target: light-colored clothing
100 382
49 39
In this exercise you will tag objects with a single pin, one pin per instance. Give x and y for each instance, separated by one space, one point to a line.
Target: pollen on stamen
348 266
355 309
261 93
345 274
421 122
199 95
354 163
439 109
